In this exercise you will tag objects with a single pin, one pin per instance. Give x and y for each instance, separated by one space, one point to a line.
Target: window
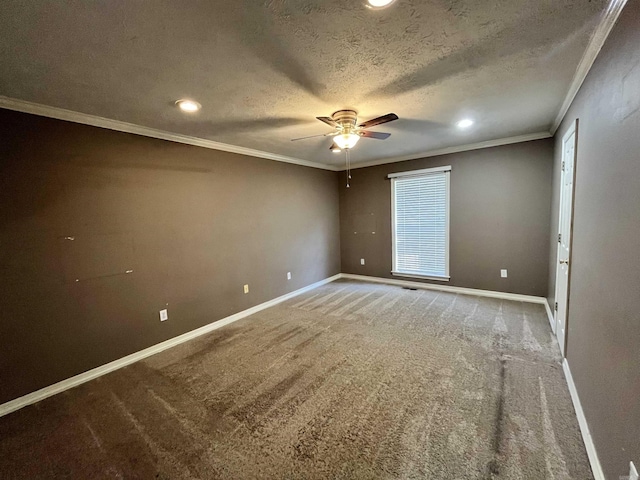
420 223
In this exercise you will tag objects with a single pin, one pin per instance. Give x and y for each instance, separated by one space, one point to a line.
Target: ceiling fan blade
334 147
314 136
328 120
378 135
389 117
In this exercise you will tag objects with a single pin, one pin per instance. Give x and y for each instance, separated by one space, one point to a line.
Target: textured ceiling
264 69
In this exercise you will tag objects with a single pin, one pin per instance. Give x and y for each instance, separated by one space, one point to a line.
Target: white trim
424 171
582 421
460 148
423 277
393 224
448 231
563 303
96 121
76 380
119 126
552 321
584 426
448 288
597 40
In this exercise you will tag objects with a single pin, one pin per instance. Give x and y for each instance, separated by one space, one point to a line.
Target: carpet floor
351 380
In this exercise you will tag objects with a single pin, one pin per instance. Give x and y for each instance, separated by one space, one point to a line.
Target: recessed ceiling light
379 3
466 123
188 106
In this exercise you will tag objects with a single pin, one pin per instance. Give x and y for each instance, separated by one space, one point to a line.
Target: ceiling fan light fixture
188 106
379 3
346 140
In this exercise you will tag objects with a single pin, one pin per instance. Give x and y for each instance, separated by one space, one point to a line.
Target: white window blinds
421 223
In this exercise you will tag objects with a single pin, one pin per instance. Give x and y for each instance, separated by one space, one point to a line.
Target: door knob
564 262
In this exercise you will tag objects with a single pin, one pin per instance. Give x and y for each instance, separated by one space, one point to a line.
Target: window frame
421 173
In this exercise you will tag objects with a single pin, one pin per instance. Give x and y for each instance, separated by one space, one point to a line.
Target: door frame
573 129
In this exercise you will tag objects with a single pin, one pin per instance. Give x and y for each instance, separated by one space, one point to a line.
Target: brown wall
603 347
500 204
193 224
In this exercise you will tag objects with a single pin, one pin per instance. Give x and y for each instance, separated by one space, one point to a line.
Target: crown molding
597 40
460 148
96 121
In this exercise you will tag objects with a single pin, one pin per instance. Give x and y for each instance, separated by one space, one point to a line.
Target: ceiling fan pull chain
348 166
346 156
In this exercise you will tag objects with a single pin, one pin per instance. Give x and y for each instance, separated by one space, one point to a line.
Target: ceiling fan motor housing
345 119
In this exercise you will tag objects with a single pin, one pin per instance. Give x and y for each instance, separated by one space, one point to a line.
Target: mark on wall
628 101
97 255
363 223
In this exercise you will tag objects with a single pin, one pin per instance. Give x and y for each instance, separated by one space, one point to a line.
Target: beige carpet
351 380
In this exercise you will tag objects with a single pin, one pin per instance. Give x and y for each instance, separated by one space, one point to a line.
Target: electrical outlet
288 275
503 273
164 315
633 473
246 289
362 261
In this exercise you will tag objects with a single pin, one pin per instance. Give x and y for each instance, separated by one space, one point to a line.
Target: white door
564 234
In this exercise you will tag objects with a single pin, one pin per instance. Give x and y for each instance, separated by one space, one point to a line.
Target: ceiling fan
348 131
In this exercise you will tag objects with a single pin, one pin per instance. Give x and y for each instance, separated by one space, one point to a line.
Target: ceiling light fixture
348 131
346 140
188 106
379 3
466 123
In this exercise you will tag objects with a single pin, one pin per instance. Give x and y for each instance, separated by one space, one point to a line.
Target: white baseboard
447 288
584 426
552 321
76 380
582 421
